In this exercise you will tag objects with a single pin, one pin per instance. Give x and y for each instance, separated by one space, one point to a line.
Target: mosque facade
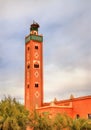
74 107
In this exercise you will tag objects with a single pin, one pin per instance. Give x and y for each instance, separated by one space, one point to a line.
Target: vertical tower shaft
33 69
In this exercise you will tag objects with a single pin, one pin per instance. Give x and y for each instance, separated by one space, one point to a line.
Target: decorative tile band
34 37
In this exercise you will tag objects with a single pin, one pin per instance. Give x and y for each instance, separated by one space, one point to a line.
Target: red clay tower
33 69
73 107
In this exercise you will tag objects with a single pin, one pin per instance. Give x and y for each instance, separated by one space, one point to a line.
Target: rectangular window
28 86
28 48
77 116
36 65
28 66
89 116
36 47
36 85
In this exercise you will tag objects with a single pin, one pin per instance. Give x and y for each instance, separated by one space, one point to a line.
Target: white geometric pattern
36 74
37 94
36 55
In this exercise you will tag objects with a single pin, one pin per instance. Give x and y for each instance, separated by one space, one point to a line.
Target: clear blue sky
66 27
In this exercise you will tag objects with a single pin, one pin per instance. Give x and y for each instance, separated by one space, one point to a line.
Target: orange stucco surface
77 106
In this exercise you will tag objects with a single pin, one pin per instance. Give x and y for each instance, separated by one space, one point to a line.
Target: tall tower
33 68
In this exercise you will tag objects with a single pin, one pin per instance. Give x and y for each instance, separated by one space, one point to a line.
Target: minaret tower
33 68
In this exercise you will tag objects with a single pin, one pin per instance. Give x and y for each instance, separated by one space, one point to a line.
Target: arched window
77 116
28 48
28 66
28 86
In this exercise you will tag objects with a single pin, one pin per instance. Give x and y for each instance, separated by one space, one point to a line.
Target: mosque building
74 107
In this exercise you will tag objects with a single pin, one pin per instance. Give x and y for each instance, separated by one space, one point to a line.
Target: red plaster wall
31 100
77 106
82 107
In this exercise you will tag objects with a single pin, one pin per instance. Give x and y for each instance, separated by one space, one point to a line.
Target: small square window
36 65
28 86
36 47
36 85
28 66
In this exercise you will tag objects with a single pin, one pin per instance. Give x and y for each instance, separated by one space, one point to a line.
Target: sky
66 29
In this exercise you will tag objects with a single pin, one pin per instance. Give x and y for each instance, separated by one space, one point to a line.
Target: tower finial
34 26
34 22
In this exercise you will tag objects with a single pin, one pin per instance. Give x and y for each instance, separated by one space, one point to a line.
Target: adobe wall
75 108
82 107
